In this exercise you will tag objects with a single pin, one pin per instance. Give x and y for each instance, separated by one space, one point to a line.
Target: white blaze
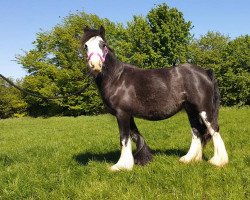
95 62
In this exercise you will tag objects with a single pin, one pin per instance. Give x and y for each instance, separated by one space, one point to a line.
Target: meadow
69 158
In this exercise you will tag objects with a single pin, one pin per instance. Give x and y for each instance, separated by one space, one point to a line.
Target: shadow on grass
113 156
84 158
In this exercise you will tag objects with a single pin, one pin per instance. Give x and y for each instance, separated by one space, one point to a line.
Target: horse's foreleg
143 153
126 160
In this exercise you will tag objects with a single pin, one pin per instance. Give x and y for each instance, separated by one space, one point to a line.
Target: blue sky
20 20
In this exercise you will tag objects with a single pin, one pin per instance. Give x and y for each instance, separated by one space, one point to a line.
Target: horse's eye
85 47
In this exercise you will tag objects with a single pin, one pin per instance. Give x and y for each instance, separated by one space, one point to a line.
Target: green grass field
69 158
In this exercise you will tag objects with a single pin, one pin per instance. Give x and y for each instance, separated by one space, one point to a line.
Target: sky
20 20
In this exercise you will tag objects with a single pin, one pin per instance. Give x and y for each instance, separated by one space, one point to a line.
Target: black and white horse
156 94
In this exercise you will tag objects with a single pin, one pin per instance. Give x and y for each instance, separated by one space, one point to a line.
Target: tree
171 35
11 102
140 37
208 51
235 87
159 39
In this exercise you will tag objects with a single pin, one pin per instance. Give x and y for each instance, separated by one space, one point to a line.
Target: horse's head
94 43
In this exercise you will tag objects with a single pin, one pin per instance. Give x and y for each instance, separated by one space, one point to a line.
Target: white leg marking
195 150
203 115
220 157
126 161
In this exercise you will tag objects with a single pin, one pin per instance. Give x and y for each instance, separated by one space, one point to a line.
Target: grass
69 158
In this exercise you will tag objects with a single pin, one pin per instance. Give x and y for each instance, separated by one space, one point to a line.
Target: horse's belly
158 113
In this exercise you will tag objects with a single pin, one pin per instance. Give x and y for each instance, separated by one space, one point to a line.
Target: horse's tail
215 104
216 95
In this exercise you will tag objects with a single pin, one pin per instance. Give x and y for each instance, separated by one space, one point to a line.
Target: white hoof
188 159
126 161
217 161
185 159
114 168
118 167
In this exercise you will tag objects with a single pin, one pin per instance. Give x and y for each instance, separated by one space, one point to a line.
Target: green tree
11 101
158 39
235 72
208 51
140 37
171 35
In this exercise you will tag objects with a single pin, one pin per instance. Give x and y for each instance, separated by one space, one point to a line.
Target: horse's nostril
91 65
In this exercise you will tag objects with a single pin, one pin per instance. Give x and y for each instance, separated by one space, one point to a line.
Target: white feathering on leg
220 157
195 150
126 161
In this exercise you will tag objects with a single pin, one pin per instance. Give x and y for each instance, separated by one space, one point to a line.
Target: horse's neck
112 67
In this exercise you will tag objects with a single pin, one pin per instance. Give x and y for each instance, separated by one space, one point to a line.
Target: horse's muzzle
95 65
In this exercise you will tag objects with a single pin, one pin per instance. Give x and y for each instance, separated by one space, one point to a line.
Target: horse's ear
85 29
102 31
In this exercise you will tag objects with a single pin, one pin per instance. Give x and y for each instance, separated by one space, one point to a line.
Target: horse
130 92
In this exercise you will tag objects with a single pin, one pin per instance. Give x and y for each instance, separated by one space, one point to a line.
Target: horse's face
96 53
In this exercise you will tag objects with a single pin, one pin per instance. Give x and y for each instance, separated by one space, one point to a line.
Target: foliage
11 101
57 66
171 34
69 158
236 72
158 39
230 59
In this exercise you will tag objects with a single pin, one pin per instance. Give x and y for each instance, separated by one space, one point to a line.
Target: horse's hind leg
198 130
143 154
220 157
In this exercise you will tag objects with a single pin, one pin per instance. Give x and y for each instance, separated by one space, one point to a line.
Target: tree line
57 63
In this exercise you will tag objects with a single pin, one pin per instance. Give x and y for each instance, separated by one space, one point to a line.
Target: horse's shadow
113 156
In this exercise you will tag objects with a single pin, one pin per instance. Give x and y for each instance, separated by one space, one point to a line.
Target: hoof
114 168
218 162
117 167
144 156
143 160
187 159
